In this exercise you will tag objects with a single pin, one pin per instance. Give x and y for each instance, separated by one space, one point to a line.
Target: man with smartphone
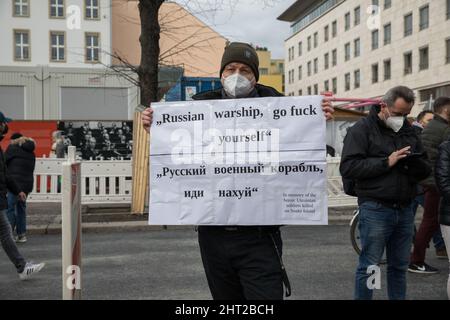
384 157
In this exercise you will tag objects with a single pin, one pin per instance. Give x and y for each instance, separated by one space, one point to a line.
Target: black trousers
242 263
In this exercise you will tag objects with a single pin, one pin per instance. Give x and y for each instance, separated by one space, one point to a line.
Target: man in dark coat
384 157
20 160
25 269
437 131
242 262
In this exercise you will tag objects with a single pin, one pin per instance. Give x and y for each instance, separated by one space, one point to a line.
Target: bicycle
355 237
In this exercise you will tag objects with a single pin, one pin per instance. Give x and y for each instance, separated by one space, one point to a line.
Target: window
334 57
347 81
357 79
347 21
292 53
326 61
56 8
447 46
316 89
424 58
21 8
375 3
92 9
316 65
309 43
300 49
357 16
300 92
357 47
57 46
263 71
334 85
387 4
92 47
293 75
300 73
326 85
347 51
387 69
326 33
309 68
408 64
375 73
316 39
309 91
408 24
334 28
375 37
387 34
424 14
22 48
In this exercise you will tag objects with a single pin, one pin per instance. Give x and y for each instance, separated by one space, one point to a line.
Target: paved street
166 265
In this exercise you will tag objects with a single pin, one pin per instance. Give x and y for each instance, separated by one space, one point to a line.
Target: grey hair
399 92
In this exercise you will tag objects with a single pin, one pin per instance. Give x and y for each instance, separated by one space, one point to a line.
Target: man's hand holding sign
239 163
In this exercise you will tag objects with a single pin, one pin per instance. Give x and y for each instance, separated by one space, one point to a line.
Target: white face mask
395 123
237 86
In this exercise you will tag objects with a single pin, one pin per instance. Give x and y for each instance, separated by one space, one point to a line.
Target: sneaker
30 269
441 253
422 268
21 239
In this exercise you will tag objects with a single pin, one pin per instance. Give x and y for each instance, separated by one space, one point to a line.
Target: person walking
25 269
436 132
20 161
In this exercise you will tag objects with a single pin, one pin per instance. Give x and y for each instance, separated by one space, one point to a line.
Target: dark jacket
442 176
436 132
21 161
367 147
6 183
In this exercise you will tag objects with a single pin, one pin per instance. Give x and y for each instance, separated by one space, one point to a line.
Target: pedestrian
242 262
442 176
437 131
421 122
20 161
384 158
25 269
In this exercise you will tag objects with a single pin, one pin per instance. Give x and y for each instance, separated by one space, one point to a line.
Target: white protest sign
259 161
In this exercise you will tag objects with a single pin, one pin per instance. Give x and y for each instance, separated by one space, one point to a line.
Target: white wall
40 25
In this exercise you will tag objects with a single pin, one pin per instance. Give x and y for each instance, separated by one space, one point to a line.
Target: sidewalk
45 218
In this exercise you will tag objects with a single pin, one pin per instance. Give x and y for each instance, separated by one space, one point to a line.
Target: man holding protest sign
242 262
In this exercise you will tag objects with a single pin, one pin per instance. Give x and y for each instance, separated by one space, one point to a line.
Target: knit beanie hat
16 135
243 53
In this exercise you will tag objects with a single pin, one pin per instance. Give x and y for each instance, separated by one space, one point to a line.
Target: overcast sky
253 21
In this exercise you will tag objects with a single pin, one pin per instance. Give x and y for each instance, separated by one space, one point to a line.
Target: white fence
110 181
102 181
336 195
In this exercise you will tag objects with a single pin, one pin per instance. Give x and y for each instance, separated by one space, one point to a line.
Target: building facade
271 71
54 62
185 41
362 48
56 33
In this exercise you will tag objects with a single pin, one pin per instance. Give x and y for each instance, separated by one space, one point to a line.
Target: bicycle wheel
355 237
354 232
